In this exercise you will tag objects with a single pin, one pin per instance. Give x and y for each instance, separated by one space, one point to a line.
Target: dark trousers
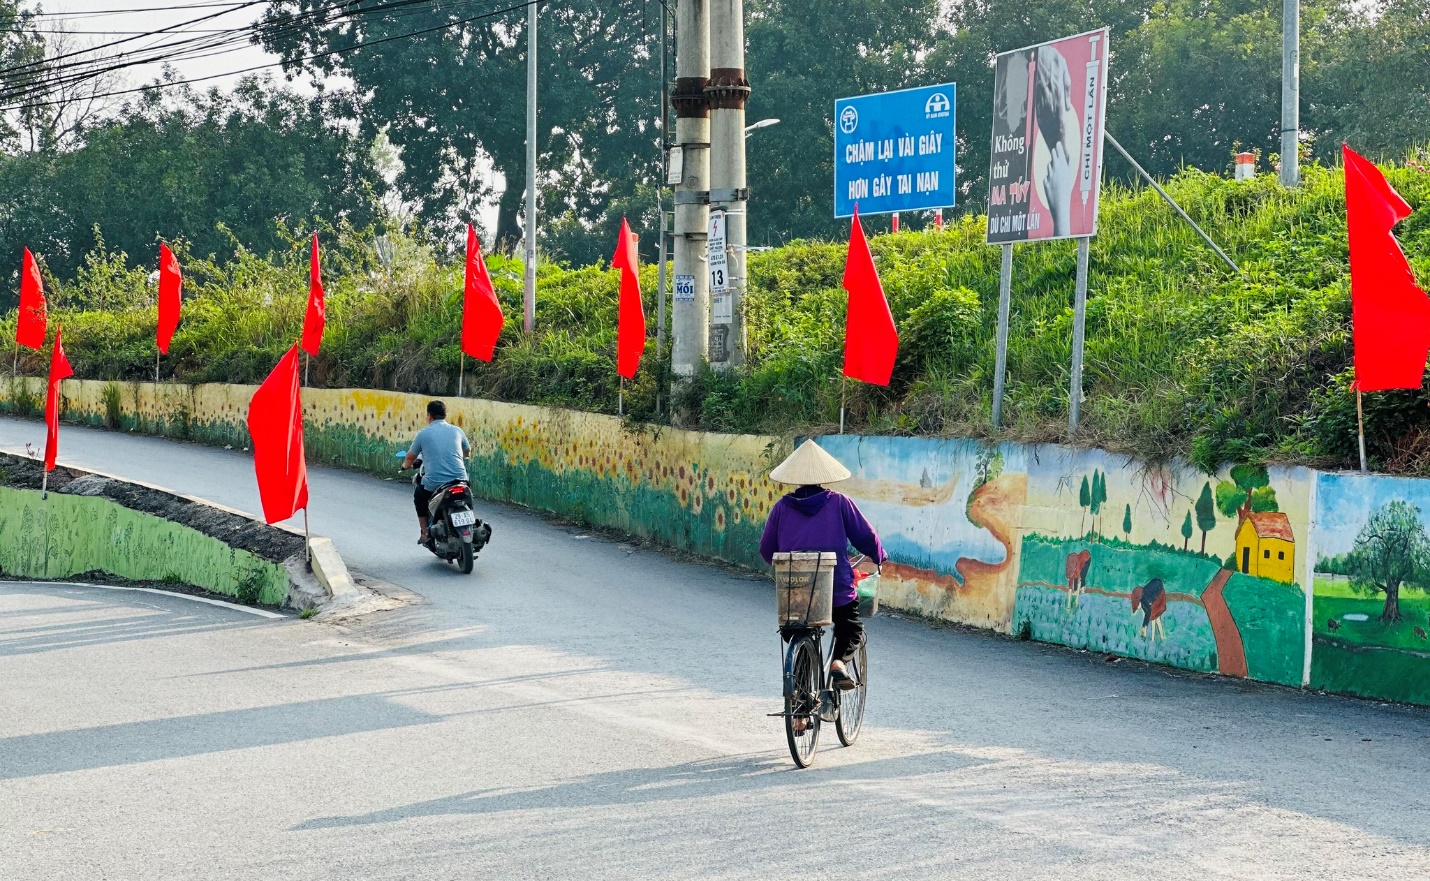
848 631
421 498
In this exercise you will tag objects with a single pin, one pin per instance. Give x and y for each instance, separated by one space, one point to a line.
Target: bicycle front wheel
802 686
851 702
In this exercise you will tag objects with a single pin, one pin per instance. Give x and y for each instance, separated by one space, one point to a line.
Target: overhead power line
496 13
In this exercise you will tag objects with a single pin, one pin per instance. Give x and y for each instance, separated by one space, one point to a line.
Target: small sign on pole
685 289
716 252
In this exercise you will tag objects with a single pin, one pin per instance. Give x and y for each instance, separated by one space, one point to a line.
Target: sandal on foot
841 680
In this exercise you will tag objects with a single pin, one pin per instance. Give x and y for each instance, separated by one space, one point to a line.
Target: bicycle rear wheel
851 702
803 675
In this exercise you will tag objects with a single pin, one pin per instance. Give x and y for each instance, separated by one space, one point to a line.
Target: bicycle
809 699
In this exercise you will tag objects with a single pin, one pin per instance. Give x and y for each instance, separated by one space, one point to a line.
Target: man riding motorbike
443 448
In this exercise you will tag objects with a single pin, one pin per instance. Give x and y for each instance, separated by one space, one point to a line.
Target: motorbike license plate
464 518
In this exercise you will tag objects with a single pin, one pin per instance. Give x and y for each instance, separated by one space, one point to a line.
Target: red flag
170 282
1389 312
30 331
870 341
630 329
317 315
59 369
481 313
275 423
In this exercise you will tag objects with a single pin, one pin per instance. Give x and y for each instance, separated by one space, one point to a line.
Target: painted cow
1077 565
1151 600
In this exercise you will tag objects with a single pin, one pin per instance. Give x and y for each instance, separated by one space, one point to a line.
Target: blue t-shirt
441 445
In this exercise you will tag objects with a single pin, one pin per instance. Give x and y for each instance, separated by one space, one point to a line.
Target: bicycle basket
804 588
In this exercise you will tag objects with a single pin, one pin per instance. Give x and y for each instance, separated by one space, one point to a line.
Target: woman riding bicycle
813 518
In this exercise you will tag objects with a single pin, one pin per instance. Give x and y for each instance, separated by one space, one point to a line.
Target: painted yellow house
1266 548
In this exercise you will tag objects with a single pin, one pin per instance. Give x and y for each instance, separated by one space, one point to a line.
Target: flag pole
1360 424
621 398
307 363
45 486
461 372
156 371
307 538
843 384
15 368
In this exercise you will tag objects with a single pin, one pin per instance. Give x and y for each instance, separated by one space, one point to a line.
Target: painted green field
1272 620
1369 658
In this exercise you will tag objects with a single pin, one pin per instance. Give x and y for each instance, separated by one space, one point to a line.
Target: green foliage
1187 530
1127 521
1084 495
113 406
1184 358
212 169
1248 491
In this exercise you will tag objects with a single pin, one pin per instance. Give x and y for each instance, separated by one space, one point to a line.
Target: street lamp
764 123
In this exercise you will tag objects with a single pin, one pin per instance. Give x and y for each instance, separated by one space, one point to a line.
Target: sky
95 22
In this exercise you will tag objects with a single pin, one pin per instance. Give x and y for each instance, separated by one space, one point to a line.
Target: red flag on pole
171 280
30 331
630 329
481 313
870 340
1390 313
59 369
317 315
275 423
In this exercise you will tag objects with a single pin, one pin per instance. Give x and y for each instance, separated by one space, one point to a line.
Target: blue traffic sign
894 151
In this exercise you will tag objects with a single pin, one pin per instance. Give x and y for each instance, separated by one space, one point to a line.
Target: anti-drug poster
1049 102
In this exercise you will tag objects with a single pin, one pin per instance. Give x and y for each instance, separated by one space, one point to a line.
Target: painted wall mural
1371 613
1077 547
1088 549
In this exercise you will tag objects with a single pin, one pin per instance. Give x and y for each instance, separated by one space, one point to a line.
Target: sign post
722 296
1049 104
894 151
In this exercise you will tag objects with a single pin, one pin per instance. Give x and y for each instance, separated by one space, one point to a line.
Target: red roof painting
1272 525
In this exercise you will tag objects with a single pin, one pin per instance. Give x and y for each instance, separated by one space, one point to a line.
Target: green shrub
1184 357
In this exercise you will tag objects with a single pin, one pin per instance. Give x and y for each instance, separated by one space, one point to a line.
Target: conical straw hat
808 465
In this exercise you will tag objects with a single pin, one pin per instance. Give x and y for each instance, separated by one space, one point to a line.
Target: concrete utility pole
1290 92
691 309
728 91
528 322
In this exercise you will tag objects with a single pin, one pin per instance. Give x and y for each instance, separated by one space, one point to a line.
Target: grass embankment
1184 357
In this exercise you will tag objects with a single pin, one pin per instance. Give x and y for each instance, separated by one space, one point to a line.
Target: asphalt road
581 708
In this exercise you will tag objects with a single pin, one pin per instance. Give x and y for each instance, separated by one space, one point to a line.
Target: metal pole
1170 201
661 281
1079 329
1290 92
1360 433
529 297
691 309
156 374
1005 295
461 374
728 93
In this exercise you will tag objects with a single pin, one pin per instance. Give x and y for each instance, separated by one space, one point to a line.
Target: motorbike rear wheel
465 560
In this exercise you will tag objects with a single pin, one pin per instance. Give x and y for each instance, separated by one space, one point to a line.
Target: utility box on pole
728 91
690 310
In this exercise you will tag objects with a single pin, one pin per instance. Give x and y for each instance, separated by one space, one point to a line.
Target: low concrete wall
95 523
1251 572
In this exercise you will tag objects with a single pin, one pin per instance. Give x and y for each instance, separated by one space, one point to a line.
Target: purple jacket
816 519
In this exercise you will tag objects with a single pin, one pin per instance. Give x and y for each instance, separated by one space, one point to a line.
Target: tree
210 168
1247 492
1187 531
1391 550
1206 513
802 56
1099 498
1127 522
1084 500
450 98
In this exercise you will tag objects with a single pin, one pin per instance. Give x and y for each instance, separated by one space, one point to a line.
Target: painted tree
1127 522
1097 497
1187 531
1249 491
1391 550
1206 513
1084 501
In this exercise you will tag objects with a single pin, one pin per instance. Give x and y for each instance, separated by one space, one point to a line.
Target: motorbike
457 534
